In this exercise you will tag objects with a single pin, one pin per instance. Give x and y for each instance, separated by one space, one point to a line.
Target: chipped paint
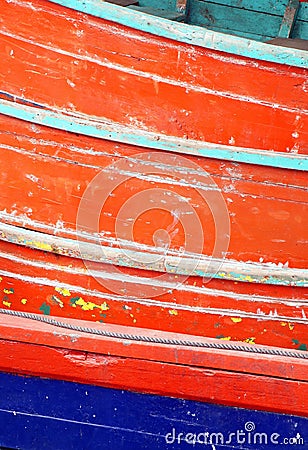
45 309
191 264
236 319
193 35
223 338
250 340
39 245
23 301
173 312
90 306
63 291
151 140
57 301
8 291
8 304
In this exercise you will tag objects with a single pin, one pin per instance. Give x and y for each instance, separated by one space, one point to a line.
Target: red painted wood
216 386
267 207
220 309
23 330
57 56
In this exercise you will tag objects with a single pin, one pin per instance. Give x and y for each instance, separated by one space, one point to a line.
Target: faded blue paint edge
189 34
119 133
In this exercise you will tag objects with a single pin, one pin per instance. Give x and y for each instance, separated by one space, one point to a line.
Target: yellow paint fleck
283 324
41 245
225 338
134 320
250 340
90 306
0 279
63 291
8 304
291 326
23 301
236 319
8 291
248 278
173 312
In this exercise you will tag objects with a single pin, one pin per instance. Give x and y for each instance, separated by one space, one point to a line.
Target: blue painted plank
234 20
272 7
53 414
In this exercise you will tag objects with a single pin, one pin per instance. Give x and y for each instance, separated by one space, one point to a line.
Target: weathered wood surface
193 35
267 208
45 283
57 56
96 417
243 380
58 60
260 20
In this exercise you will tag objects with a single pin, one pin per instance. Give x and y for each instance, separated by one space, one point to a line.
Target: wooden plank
187 382
18 329
215 16
289 18
219 309
95 417
232 83
270 7
300 29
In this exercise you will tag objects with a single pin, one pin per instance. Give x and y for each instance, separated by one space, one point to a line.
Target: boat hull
72 388
54 414
64 59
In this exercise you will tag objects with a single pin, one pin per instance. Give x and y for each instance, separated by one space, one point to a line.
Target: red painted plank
58 57
61 286
23 330
216 386
266 208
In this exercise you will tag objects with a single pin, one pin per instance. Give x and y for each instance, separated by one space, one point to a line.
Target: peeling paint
236 319
63 291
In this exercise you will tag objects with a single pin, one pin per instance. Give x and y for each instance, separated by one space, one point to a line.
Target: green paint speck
73 300
45 309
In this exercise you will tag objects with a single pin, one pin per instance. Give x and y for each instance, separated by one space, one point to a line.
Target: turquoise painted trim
119 133
189 34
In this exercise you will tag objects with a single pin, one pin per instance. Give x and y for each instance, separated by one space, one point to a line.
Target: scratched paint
267 119
236 270
88 301
190 34
267 129
154 141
